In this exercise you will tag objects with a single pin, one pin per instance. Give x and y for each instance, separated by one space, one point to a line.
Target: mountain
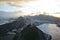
21 22
37 20
6 17
30 32
6 20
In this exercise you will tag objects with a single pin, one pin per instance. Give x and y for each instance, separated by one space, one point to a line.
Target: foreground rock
30 33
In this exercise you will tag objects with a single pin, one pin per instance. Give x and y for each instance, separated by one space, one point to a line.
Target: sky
49 6
9 8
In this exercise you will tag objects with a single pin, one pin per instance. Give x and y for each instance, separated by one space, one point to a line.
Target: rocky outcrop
30 33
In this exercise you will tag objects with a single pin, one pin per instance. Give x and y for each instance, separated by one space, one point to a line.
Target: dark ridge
30 33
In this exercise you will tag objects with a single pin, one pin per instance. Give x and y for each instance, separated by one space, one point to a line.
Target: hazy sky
49 6
42 5
9 8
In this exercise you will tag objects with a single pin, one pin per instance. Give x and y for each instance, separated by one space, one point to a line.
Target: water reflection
54 31
51 29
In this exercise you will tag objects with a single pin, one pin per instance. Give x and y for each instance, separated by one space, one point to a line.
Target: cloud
14 2
17 0
3 2
6 14
29 5
57 0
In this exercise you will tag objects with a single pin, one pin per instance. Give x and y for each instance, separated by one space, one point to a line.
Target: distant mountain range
38 19
22 21
5 14
18 24
6 20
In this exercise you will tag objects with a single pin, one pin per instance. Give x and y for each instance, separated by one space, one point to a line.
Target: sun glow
49 6
28 6
32 8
